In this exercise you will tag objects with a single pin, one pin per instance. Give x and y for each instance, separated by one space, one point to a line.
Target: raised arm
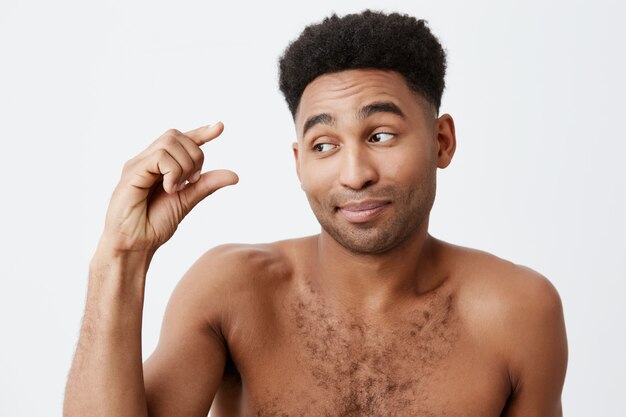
151 199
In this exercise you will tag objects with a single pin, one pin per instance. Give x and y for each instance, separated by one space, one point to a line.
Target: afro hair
370 39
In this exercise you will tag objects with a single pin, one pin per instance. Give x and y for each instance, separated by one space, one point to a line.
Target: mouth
362 211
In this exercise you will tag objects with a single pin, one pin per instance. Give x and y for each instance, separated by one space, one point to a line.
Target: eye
323 147
381 137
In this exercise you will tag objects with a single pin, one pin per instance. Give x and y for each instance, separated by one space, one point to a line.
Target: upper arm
537 349
183 374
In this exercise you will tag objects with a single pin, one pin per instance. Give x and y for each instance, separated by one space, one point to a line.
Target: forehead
341 94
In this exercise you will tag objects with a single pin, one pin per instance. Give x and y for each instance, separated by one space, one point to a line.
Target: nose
358 168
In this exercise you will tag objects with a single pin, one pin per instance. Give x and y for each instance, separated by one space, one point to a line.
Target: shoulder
237 266
237 259
247 269
225 280
508 293
519 312
501 286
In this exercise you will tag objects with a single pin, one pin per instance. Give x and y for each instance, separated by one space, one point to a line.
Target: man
373 316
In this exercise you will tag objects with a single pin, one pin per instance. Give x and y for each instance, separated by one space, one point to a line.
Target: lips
362 211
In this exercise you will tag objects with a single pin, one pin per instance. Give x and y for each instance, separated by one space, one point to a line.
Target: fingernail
195 177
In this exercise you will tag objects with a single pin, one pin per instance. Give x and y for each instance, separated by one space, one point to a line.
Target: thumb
208 183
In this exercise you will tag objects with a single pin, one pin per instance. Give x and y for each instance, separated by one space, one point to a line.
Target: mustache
382 193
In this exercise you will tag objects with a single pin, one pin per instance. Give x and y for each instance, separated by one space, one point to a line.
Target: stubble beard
411 207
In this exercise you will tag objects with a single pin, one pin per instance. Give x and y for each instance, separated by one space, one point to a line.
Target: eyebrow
363 113
323 118
380 107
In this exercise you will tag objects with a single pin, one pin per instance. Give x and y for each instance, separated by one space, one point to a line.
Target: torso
294 354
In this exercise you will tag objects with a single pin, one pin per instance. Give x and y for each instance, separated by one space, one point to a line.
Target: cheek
407 166
316 178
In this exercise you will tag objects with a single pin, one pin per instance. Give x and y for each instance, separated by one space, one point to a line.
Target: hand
153 197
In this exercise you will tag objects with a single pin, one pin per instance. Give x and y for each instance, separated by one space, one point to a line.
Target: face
367 153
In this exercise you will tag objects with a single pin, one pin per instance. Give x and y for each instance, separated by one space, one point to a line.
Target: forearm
106 378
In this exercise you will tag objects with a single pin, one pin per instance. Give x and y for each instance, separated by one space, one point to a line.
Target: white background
536 89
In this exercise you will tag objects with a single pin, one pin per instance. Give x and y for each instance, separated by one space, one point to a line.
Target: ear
446 140
295 155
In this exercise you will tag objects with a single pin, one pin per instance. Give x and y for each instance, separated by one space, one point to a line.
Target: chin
371 241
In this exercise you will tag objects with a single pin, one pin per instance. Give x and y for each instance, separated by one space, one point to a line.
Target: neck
377 281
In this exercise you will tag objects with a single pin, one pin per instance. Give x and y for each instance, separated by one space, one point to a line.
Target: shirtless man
373 316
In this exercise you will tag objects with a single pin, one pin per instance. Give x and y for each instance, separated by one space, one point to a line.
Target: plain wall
536 89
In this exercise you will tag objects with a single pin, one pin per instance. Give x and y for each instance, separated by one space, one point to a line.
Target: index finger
205 134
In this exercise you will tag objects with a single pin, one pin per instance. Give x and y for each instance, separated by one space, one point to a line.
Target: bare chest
308 360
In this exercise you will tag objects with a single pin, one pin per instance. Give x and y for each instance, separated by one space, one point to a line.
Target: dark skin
373 316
